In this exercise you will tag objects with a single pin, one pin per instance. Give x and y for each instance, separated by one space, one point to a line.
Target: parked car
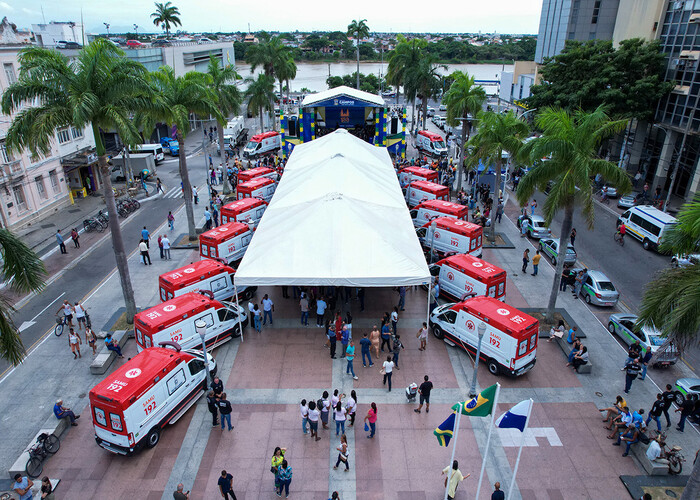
612 192
204 40
62 44
685 386
550 248
431 111
685 260
134 43
628 201
649 337
598 289
535 226
443 107
161 43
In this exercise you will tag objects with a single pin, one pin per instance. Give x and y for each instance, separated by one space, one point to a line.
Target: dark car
161 43
62 44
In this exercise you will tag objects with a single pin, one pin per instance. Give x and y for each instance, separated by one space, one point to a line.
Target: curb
508 244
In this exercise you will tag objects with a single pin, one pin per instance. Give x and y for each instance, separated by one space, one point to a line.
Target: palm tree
463 98
286 71
25 272
101 88
273 57
227 95
260 93
403 60
424 82
570 141
497 133
358 29
177 98
166 15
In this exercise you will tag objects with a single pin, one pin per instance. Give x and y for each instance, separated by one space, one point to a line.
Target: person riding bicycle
622 230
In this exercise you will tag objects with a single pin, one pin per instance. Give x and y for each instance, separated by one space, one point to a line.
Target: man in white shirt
655 451
268 307
166 247
143 248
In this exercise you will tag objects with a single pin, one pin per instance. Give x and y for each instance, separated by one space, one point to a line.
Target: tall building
48 35
580 20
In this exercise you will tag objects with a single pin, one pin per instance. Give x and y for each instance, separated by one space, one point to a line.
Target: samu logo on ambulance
450 276
470 325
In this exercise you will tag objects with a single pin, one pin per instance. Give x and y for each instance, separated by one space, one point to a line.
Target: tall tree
463 98
285 72
166 15
424 82
222 83
101 88
273 57
177 98
403 60
570 141
497 133
260 93
358 29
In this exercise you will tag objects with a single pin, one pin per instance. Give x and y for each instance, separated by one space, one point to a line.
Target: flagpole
488 439
517 461
454 447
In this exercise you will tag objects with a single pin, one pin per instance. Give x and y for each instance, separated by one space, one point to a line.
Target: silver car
599 290
649 337
550 248
535 226
628 201
685 260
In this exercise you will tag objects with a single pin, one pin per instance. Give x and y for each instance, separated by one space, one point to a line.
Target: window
77 133
19 198
139 336
176 381
219 284
53 177
10 73
596 11
5 156
100 417
492 291
208 319
205 250
533 342
522 347
116 422
63 136
501 287
196 366
449 316
40 187
226 314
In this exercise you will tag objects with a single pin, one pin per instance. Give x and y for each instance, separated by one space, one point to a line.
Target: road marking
29 323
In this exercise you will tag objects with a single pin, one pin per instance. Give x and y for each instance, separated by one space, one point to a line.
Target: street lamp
201 328
107 26
433 227
136 30
481 329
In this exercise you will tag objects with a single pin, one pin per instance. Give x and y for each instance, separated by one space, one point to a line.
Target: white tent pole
488 439
240 325
427 316
454 447
517 461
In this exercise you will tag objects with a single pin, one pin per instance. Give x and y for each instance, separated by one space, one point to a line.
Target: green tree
166 15
177 98
497 133
222 83
102 88
570 141
424 82
358 29
286 71
403 61
273 57
260 93
463 98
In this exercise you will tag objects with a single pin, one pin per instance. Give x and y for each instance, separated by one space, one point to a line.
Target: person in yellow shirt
454 477
536 262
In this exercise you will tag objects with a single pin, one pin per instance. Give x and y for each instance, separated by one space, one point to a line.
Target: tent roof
338 217
343 90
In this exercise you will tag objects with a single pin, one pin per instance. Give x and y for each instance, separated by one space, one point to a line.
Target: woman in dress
374 338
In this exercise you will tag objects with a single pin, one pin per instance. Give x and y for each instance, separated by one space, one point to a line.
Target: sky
447 16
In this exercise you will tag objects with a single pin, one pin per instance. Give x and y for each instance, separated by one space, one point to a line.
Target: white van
210 275
647 224
226 243
259 144
432 209
509 345
451 236
430 143
234 127
155 149
132 406
463 276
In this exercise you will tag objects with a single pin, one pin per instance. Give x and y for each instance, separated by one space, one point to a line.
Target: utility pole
107 26
136 30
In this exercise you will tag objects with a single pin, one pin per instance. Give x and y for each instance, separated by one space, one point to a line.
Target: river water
313 75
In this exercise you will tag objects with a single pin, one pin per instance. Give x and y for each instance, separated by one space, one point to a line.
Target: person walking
339 415
159 186
535 262
143 248
424 391
454 477
402 297
257 318
386 336
207 219
166 247
686 408
350 356
160 247
332 338
374 337
74 342
145 236
304 409
397 350
526 259
268 308
497 492
632 369
284 474
275 462
91 340
387 369
422 335
325 409
351 406
226 485
171 221
669 397
342 453
213 408
225 410
195 196
313 420
365 344
394 319
304 306
75 237
371 419
656 411
80 315
59 239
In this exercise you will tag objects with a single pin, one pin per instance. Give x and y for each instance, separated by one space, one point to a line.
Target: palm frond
21 267
11 345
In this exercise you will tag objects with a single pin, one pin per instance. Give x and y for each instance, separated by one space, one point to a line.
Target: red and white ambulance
259 144
410 174
260 187
254 173
430 143
509 344
432 209
451 236
132 406
207 274
463 276
174 319
226 243
420 191
248 210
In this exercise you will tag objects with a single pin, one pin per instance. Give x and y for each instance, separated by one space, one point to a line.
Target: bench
639 451
52 425
105 357
566 347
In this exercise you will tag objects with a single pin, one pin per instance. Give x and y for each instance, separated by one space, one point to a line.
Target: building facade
48 35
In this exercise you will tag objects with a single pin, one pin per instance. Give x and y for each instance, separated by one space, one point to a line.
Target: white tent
339 218
342 91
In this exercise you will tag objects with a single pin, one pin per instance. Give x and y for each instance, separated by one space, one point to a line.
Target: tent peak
333 196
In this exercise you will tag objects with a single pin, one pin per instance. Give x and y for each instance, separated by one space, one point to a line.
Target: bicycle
60 323
93 224
102 218
47 444
619 238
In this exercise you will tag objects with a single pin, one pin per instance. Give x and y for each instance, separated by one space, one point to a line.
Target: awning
343 96
338 217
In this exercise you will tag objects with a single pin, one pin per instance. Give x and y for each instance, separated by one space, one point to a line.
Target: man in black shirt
225 409
669 396
686 410
632 369
424 391
211 404
497 493
225 485
217 386
656 411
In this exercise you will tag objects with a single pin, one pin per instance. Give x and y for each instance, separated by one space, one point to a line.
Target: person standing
160 247
365 344
645 359
284 474
320 311
533 206
212 406
344 338
313 420
275 462
143 248
80 314
499 211
171 221
497 493
217 386
394 319
59 239
339 415
397 350
374 338
669 396
226 485
75 237
268 308
402 297
225 409
422 335
325 409
388 368
207 219
91 339
386 336
74 343
166 247
257 319
342 453
304 305
332 340
656 411
535 262
361 298
159 186
23 487
424 391
371 419
145 236
351 406
526 259
350 356
454 477
215 215
572 236
632 369
686 408
304 409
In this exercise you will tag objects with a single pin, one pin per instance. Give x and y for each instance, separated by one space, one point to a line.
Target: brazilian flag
445 430
481 405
